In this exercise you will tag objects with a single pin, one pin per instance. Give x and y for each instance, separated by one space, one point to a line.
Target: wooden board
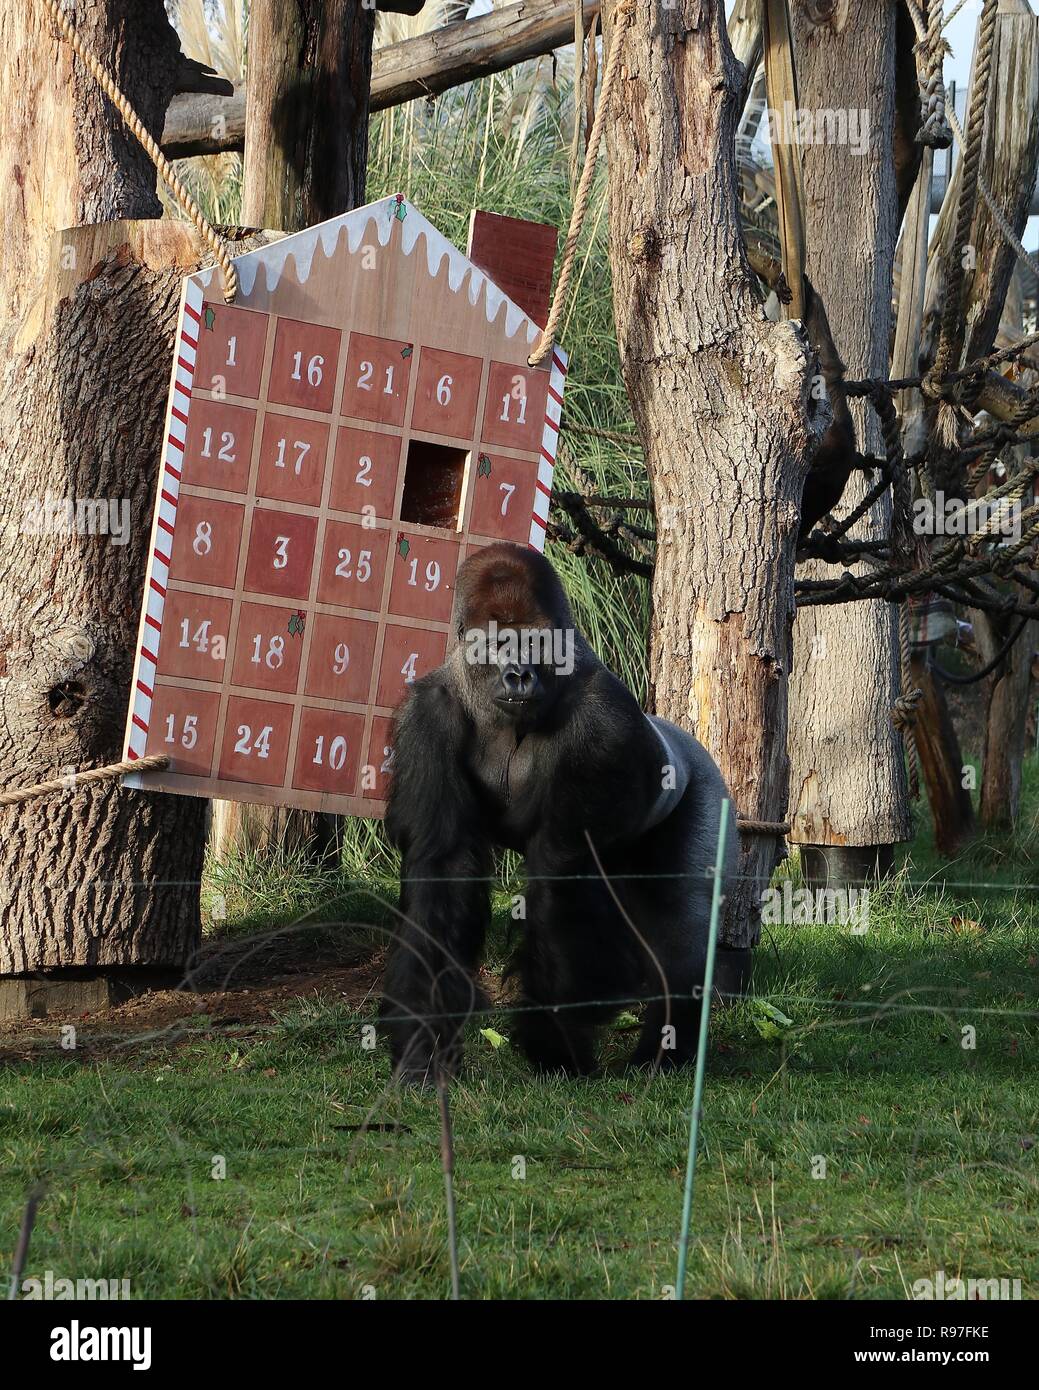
338 441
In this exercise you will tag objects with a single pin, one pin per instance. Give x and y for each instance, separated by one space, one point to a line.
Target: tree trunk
100 876
848 782
306 120
941 763
306 157
721 403
1006 720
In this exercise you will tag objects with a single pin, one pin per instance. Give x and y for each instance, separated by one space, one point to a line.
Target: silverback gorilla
523 739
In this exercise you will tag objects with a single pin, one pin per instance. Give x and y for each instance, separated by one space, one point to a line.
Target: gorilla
524 740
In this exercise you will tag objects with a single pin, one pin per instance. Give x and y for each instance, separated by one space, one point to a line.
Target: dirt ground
239 985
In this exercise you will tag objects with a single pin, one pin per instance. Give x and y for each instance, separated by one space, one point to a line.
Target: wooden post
306 155
720 398
306 122
849 800
99 885
941 762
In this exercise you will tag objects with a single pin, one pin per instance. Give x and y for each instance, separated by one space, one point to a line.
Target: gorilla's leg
571 963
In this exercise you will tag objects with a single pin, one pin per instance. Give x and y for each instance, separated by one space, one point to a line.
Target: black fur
572 777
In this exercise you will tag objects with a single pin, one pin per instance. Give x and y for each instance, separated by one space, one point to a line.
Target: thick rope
763 827
903 715
74 781
952 308
934 129
151 148
999 216
544 345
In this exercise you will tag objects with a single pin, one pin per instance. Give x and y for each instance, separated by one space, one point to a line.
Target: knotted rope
934 129
544 345
73 781
167 173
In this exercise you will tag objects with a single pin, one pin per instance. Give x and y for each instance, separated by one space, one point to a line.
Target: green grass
929 1146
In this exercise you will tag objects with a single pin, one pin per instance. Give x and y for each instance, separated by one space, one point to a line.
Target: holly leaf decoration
406 351
210 317
403 546
401 210
297 624
483 468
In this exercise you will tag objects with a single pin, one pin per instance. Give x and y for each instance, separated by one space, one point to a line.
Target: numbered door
281 554
353 566
304 366
407 654
231 343
378 372
423 577
446 393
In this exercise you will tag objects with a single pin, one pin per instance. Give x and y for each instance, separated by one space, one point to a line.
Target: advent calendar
338 441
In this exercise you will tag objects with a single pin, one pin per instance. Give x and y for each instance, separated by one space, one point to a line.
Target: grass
870 1143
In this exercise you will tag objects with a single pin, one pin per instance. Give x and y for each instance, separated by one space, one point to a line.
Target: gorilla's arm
434 819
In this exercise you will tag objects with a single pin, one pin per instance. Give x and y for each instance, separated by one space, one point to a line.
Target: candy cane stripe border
549 445
165 520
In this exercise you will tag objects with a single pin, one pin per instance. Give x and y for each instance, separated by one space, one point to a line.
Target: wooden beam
423 66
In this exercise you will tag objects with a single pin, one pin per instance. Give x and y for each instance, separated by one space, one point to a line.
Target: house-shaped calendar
338 440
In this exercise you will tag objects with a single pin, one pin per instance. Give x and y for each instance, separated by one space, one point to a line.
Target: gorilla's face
517 636
522 675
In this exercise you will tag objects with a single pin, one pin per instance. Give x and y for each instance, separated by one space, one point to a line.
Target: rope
951 310
998 215
544 345
903 714
953 679
934 129
763 827
73 781
107 83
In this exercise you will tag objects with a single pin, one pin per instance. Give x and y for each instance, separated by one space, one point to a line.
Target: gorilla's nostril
519 682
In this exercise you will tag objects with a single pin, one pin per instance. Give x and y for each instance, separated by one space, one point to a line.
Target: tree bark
1007 708
306 120
101 876
720 398
848 782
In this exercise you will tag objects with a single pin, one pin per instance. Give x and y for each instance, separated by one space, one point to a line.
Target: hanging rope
74 781
952 314
934 129
903 714
544 345
999 216
107 83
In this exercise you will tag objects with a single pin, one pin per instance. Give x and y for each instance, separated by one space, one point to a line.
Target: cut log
720 398
848 783
419 67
